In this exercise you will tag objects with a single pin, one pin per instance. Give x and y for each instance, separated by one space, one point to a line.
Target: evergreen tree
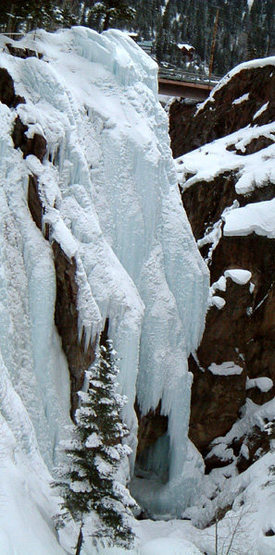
110 12
95 452
244 30
25 15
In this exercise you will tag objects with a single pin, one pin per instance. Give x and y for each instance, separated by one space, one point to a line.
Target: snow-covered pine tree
95 452
109 12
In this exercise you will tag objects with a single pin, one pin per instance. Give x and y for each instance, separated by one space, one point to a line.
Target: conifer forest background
244 27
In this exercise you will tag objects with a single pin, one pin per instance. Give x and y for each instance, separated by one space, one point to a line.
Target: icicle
80 329
88 335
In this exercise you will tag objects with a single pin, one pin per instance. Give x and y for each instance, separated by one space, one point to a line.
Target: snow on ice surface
173 546
34 382
110 194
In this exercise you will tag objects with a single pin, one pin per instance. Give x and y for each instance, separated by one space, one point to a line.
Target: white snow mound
171 546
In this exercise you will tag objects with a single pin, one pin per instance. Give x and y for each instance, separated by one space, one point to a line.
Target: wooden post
213 42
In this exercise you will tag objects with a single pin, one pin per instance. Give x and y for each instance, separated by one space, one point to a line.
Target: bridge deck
197 91
177 81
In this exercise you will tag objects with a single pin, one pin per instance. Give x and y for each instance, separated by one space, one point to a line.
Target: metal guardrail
174 73
178 74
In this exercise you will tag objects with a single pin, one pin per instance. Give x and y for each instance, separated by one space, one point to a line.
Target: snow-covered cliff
227 182
105 190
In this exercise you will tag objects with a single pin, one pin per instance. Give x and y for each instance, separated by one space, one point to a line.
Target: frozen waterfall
111 200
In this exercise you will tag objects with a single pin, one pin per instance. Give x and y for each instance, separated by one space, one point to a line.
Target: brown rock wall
66 319
7 92
243 331
220 116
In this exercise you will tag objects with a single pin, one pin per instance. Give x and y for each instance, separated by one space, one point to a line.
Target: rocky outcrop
180 121
233 334
205 201
22 52
36 145
66 319
241 328
7 92
223 113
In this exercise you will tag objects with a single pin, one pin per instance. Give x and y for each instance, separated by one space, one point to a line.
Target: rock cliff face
240 320
222 114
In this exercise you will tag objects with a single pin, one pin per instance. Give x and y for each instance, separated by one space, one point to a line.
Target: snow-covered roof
185 46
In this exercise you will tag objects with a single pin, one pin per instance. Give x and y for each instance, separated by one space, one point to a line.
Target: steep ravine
151 426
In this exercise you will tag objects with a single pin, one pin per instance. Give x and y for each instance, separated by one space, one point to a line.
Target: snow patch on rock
241 277
229 368
256 218
263 384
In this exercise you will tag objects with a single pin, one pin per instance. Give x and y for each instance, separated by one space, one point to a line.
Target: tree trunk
106 22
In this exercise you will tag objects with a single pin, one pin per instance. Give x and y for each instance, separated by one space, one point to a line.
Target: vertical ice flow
109 187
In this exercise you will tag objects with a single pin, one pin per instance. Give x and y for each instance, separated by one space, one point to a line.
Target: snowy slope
110 195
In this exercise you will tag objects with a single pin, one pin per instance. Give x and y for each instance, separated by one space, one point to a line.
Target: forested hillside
244 27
